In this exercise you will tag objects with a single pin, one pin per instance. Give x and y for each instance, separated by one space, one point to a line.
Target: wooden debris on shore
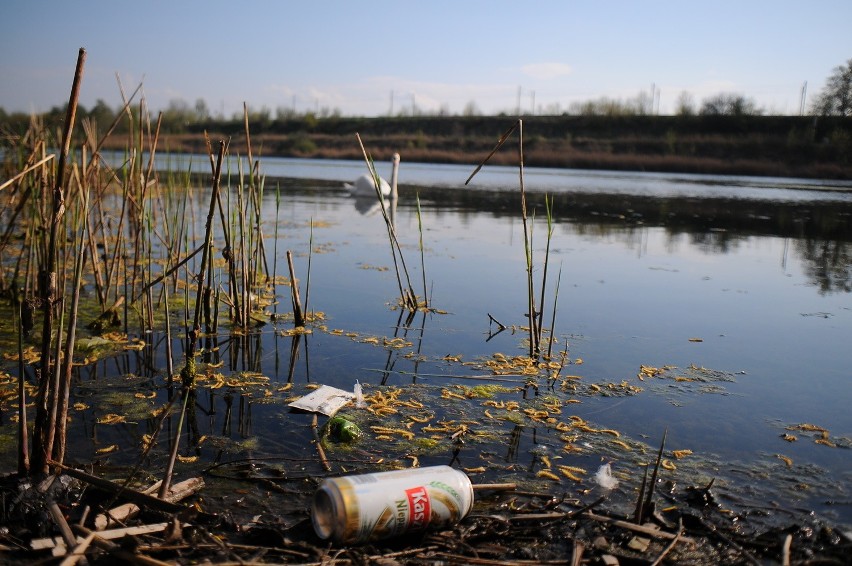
508 525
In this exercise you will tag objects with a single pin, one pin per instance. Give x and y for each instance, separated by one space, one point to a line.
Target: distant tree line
179 116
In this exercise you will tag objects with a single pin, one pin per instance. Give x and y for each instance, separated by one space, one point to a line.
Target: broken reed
408 297
534 313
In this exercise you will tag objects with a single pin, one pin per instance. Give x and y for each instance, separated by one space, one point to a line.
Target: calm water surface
741 284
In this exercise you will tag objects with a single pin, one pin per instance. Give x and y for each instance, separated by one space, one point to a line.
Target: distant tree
835 99
178 115
644 103
685 105
102 114
258 117
202 112
284 113
729 104
470 109
605 107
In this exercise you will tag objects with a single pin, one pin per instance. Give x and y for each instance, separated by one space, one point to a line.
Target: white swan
365 185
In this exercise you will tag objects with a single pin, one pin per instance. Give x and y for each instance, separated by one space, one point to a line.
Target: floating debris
605 478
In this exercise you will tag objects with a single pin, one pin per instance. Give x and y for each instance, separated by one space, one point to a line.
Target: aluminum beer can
359 508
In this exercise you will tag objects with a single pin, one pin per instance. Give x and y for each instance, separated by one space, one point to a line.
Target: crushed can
359 508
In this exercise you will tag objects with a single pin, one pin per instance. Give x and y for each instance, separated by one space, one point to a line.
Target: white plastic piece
604 477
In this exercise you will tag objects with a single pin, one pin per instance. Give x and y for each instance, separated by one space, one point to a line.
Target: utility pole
518 103
803 97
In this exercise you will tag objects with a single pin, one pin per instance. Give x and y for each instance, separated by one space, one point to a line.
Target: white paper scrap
325 400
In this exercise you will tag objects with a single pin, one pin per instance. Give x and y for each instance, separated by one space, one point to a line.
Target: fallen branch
127 511
141 499
111 534
654 533
117 552
79 551
671 545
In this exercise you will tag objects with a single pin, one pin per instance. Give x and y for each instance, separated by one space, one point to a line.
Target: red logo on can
419 509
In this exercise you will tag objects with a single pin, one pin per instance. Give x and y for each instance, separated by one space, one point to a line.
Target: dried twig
671 545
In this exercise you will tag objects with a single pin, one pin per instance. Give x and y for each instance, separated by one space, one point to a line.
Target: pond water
741 285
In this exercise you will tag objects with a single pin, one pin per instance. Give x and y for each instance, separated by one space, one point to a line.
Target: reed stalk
47 379
23 440
170 370
308 275
189 369
534 314
553 315
170 467
68 362
407 295
228 254
298 316
548 206
275 249
422 252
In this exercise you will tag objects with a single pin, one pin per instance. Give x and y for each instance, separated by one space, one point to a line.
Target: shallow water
743 285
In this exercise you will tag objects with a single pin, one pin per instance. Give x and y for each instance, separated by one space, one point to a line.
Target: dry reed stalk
67 366
188 372
422 251
27 170
310 257
47 379
23 440
228 251
298 316
533 317
644 506
553 315
407 294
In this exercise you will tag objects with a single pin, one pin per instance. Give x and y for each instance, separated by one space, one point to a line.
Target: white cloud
546 71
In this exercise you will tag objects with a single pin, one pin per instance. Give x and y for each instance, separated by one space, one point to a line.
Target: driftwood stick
577 554
139 498
785 551
495 486
116 551
638 528
671 545
323 460
126 511
111 534
79 552
64 529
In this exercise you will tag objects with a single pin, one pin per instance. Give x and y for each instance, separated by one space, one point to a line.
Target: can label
418 508
373 506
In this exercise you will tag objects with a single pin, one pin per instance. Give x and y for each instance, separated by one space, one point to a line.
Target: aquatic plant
534 312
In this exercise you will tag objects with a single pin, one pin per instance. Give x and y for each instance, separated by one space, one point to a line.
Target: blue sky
366 57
